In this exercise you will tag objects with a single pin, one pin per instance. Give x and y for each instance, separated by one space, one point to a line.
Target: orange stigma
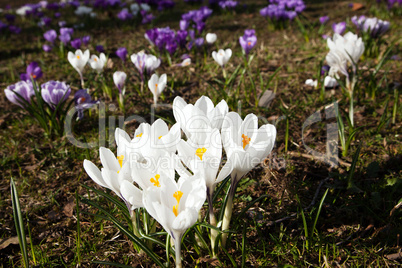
246 140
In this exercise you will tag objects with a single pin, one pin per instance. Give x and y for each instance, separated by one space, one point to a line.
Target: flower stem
224 72
177 248
228 209
212 221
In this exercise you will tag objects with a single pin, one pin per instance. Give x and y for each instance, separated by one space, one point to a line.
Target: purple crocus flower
10 18
184 25
76 43
146 17
33 71
20 92
57 15
325 70
55 92
181 37
124 14
52 6
200 27
121 52
171 47
3 25
65 38
228 4
86 39
50 36
14 29
83 101
66 30
339 28
248 40
47 48
62 23
199 42
249 32
99 48
45 21
324 19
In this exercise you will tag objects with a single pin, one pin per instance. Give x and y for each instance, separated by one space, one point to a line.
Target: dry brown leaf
69 208
357 6
6 242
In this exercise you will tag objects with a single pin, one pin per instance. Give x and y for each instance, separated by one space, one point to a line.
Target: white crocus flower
191 117
337 63
246 146
204 159
211 38
157 85
119 79
222 56
22 11
311 83
185 63
145 7
350 45
153 145
78 60
114 171
97 63
176 206
135 8
83 10
330 82
152 63
139 59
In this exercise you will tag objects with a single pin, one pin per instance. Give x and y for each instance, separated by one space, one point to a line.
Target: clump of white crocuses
171 177
344 52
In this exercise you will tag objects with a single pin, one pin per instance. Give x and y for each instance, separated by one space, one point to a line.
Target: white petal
94 173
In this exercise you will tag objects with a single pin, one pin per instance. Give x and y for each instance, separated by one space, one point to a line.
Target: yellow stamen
246 140
120 158
139 135
95 59
178 196
156 180
78 57
249 43
34 76
200 152
160 137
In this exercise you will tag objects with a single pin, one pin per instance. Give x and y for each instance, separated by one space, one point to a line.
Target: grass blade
19 223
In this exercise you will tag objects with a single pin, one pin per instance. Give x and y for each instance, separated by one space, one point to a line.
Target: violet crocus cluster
282 9
165 39
195 19
248 40
229 4
374 26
